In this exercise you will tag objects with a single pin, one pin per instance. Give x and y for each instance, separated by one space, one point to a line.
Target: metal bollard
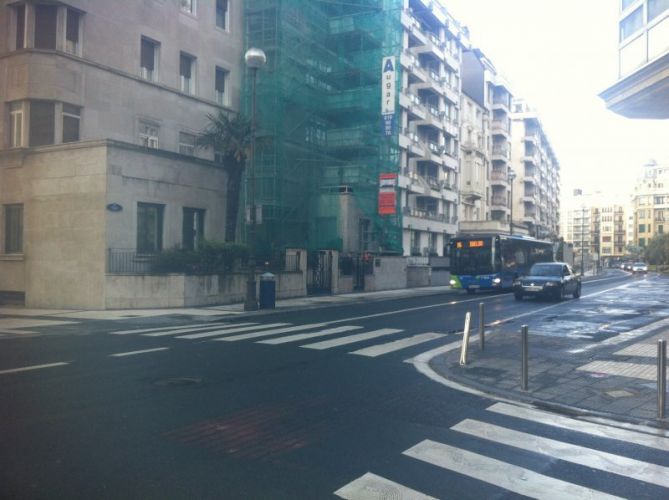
523 361
661 377
481 326
465 340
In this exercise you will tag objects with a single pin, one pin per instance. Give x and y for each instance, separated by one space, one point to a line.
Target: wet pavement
597 355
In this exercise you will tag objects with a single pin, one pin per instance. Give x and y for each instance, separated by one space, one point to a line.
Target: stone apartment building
536 184
650 203
100 107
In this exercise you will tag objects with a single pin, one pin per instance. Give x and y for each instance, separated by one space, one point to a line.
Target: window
606 239
186 63
15 125
193 228
186 143
659 200
147 59
222 14
148 135
660 228
631 24
189 6
642 242
626 3
13 228
221 77
656 7
72 32
149 227
20 27
45 26
71 119
42 121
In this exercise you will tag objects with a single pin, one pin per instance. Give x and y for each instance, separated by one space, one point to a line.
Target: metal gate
319 272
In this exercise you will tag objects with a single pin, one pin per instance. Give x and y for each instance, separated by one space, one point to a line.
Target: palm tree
230 137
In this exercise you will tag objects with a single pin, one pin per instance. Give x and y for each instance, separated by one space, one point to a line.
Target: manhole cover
179 381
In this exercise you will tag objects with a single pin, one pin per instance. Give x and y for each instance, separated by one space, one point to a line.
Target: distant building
536 186
651 203
98 165
642 89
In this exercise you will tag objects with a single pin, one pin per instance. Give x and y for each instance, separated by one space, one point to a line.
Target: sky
559 55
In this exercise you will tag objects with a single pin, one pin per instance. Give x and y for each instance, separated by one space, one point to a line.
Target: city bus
493 262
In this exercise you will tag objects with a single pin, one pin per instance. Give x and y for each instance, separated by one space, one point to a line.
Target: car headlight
497 281
452 282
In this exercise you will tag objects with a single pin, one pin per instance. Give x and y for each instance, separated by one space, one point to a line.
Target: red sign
387 194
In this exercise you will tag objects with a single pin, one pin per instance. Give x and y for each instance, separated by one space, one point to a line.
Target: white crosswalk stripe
236 328
303 336
327 344
168 328
397 345
276 331
370 486
490 470
485 465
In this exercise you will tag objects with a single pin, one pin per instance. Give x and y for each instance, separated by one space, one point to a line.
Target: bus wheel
470 291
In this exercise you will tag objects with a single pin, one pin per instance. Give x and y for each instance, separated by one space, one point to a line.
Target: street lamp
254 59
512 176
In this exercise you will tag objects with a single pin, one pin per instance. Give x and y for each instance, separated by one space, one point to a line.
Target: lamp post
254 59
512 176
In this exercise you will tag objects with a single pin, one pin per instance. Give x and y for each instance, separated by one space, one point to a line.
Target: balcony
499 178
499 201
501 104
499 127
500 152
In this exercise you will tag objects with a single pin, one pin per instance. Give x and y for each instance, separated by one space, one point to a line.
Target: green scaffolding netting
320 147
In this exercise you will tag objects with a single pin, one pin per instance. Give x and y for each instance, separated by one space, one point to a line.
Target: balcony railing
499 200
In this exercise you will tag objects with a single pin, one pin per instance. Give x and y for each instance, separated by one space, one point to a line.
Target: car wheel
518 296
577 292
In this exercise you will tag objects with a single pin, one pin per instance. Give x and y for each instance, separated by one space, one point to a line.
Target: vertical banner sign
388 92
387 194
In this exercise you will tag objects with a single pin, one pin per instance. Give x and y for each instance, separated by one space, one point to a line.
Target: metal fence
129 261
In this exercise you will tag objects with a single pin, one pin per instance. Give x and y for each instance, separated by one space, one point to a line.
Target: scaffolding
320 148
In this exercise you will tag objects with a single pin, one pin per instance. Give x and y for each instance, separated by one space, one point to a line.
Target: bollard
481 326
465 340
523 362
661 377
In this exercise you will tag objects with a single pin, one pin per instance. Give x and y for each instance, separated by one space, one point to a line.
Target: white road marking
265 329
132 353
621 369
276 331
302 336
372 487
624 336
378 350
640 438
643 350
504 475
595 459
34 367
219 327
168 328
327 344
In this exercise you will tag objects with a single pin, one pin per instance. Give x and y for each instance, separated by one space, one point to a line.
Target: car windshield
639 263
546 270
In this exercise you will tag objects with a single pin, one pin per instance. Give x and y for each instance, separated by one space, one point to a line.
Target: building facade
536 179
642 89
98 161
650 203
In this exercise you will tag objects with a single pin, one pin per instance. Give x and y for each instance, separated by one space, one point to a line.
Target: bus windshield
472 260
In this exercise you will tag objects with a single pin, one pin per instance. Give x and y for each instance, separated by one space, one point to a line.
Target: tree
657 251
230 137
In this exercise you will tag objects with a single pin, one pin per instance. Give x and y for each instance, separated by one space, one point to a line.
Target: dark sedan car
549 279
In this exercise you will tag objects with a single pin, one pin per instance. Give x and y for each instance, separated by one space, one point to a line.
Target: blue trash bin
267 291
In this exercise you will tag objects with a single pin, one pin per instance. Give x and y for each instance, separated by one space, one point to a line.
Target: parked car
639 267
627 266
548 279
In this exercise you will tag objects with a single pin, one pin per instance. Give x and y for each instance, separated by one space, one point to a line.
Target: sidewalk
610 380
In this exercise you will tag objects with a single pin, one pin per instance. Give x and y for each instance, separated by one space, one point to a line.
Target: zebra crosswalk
495 454
313 336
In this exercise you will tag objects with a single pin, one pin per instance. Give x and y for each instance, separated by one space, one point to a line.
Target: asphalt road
200 408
